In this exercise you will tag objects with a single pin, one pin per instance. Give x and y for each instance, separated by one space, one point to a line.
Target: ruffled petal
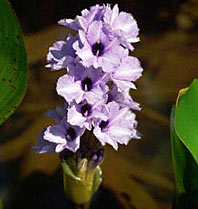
75 118
104 138
69 89
55 134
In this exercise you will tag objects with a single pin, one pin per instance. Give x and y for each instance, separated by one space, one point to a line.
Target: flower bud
79 186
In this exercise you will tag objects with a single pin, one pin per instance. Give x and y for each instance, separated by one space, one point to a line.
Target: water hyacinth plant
98 107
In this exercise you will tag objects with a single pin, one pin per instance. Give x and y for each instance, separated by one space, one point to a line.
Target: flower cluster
100 74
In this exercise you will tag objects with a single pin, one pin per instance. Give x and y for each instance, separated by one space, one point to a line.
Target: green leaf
184 147
13 62
186 122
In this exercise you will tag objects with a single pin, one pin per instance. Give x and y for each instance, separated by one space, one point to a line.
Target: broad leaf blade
13 62
184 145
186 121
185 171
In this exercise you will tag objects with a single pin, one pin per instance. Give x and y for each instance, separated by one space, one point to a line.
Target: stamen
87 84
86 109
98 48
103 124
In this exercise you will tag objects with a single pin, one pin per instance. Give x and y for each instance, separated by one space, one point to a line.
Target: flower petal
55 134
75 118
69 89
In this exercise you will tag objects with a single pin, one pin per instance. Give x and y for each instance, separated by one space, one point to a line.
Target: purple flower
122 24
85 114
61 135
82 83
119 128
99 48
61 54
64 136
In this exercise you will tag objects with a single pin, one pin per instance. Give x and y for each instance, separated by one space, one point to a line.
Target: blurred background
138 176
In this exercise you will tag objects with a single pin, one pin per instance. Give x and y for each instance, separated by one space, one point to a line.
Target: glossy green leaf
13 62
183 130
186 121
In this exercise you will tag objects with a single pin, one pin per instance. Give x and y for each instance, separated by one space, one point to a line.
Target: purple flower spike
119 128
64 136
96 88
